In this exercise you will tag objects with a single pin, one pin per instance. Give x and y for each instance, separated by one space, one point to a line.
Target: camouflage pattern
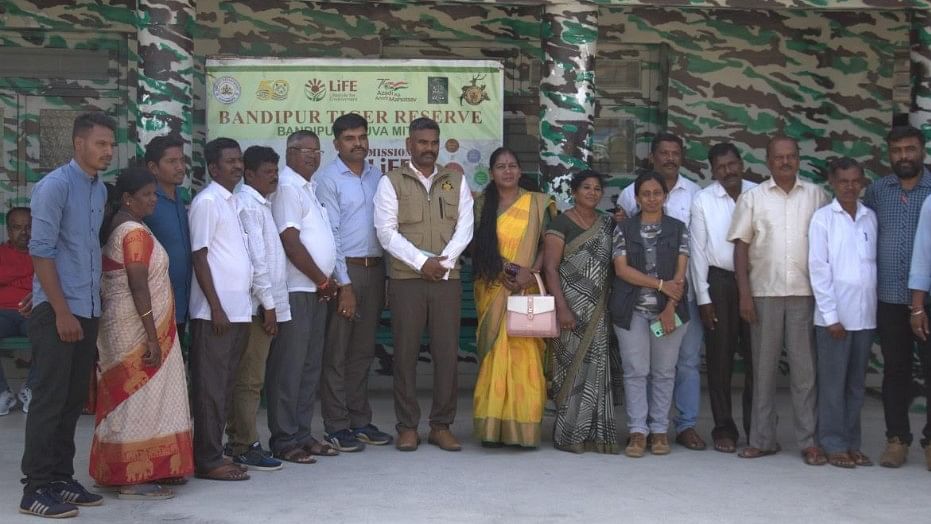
920 54
166 70
567 94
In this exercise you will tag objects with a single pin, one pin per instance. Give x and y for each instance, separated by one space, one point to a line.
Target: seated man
15 285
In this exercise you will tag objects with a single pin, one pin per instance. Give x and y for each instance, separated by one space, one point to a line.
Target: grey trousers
417 304
841 386
293 372
649 362
350 349
783 322
214 361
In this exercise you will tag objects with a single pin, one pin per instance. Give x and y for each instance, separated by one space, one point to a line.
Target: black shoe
72 492
372 435
344 440
44 503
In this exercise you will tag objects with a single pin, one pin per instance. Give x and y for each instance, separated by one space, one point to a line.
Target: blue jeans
649 364
841 382
12 324
688 379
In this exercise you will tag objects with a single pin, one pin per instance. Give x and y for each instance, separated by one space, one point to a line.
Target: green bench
467 327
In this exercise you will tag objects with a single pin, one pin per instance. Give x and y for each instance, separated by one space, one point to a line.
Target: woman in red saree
142 437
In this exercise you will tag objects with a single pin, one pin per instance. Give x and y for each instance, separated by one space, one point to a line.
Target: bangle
660 287
917 312
147 313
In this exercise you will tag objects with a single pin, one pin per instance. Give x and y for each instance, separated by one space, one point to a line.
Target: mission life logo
393 91
334 90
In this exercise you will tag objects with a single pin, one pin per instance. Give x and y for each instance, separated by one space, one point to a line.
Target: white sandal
145 492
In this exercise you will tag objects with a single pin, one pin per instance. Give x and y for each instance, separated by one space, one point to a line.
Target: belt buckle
365 262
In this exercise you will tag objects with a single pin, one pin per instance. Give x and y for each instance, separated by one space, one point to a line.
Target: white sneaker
25 397
7 401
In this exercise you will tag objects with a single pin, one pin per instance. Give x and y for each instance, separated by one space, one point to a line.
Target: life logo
226 90
315 90
273 90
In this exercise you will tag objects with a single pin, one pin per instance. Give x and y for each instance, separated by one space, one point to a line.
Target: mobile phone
657 327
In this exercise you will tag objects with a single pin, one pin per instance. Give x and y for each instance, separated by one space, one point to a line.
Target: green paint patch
576 33
697 64
565 101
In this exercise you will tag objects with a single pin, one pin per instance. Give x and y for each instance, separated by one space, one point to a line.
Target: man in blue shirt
346 188
897 200
164 156
67 212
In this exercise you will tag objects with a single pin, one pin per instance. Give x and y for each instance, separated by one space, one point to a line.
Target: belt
364 261
715 269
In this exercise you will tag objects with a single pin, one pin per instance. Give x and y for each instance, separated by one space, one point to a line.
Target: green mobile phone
657 327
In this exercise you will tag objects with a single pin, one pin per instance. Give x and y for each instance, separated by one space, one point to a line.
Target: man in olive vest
423 218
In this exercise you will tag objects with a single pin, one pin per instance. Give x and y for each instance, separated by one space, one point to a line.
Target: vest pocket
408 212
449 209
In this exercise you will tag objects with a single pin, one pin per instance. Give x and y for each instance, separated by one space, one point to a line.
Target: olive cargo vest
426 220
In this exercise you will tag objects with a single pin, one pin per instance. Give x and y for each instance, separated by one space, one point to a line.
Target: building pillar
166 70
567 93
920 40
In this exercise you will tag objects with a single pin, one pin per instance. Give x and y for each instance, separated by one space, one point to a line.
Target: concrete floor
510 485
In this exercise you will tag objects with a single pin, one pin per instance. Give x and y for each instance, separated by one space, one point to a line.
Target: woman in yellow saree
511 390
142 438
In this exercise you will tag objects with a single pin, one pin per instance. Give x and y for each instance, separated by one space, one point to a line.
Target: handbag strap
539 285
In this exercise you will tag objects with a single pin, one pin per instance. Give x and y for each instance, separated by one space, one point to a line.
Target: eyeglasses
307 150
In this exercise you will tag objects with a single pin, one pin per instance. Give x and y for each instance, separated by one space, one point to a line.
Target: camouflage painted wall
743 75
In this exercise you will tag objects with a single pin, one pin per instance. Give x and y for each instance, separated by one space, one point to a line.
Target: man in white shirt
423 218
221 307
666 155
771 266
296 355
346 187
842 268
269 304
712 267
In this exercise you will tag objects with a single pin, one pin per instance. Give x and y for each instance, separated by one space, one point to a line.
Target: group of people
281 273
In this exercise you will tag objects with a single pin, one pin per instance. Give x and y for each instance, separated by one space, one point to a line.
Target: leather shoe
445 439
407 440
690 439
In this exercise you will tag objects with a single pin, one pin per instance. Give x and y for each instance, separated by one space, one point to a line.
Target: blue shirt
919 277
169 224
350 204
67 211
897 211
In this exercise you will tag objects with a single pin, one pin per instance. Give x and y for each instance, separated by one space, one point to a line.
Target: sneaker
72 492
255 459
44 503
372 435
895 454
636 445
344 440
7 401
659 444
25 397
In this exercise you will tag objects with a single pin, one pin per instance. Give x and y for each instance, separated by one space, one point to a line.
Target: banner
260 101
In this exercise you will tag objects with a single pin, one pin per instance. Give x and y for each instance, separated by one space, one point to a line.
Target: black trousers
898 344
731 336
58 395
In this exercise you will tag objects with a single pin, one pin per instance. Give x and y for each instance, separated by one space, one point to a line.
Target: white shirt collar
223 192
435 169
837 208
294 174
250 191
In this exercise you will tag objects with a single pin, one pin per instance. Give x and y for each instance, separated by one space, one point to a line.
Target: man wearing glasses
296 355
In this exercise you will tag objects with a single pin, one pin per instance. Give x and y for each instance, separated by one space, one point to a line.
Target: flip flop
321 449
813 456
173 481
860 459
752 453
841 460
297 454
145 492
228 472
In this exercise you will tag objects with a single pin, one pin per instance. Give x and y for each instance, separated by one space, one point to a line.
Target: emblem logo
226 90
273 90
315 90
446 186
437 90
473 93
393 91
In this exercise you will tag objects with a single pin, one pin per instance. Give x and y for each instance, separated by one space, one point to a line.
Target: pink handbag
532 315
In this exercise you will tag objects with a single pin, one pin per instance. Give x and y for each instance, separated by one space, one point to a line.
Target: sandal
225 472
297 454
321 449
841 460
813 456
752 453
145 492
859 458
725 445
173 481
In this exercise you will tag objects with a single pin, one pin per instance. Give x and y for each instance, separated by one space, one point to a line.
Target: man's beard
913 169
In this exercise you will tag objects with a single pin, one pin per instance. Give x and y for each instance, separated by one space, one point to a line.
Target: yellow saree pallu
511 390
143 430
